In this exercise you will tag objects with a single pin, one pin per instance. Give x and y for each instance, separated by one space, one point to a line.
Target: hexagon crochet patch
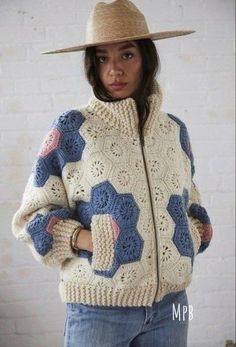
177 209
62 144
128 245
41 229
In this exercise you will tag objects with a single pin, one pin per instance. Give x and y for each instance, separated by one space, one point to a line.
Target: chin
121 95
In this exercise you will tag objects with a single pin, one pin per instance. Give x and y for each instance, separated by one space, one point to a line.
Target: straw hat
118 21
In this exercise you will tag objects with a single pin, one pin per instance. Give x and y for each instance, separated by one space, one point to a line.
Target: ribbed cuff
103 242
62 232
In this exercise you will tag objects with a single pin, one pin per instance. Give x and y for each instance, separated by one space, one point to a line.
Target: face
120 68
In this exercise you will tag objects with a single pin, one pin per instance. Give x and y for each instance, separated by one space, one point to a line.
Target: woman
111 199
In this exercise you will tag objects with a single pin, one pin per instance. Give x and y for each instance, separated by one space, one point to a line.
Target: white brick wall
197 77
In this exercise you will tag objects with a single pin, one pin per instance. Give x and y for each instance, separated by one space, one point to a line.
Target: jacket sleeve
196 211
45 219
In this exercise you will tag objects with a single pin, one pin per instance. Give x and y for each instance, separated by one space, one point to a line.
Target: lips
118 86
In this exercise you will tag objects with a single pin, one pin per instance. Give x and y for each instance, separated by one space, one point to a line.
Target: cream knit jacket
136 194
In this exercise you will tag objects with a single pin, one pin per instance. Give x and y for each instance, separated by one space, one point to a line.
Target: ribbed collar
123 115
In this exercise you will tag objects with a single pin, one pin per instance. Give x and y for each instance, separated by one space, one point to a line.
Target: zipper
141 137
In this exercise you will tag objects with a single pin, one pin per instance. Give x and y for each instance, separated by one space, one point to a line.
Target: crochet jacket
135 192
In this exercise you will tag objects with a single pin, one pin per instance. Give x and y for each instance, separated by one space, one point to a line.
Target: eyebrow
123 47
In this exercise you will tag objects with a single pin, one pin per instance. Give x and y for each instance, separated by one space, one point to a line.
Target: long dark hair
150 68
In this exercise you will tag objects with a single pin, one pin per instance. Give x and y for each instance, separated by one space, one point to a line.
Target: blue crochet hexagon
177 208
129 246
42 242
41 239
55 163
61 213
185 198
37 228
36 224
126 211
103 197
72 146
69 149
69 121
184 140
41 173
183 241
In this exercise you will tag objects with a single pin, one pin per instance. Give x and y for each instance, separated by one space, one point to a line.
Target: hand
84 240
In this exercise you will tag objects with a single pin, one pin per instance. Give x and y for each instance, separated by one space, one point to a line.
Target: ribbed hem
107 296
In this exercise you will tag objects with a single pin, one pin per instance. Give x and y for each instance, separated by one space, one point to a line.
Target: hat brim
154 36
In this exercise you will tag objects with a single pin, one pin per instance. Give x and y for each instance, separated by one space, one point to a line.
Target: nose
116 72
115 69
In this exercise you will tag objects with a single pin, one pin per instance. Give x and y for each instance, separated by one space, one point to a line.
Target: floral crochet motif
62 145
181 238
128 243
41 229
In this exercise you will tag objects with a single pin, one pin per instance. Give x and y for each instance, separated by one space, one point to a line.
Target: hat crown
119 19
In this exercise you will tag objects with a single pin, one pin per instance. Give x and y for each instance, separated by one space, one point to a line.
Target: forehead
116 46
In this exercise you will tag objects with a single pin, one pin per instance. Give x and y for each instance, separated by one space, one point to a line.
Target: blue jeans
149 326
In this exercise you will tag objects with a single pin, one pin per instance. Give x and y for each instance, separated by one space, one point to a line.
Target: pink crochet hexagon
50 142
52 221
116 229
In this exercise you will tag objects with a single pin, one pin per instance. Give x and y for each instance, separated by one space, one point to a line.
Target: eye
101 59
127 55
